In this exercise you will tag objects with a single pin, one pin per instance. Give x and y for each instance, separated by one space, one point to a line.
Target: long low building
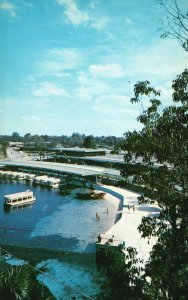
79 152
58 169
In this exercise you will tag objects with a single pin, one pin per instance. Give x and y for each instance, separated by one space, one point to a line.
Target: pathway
126 228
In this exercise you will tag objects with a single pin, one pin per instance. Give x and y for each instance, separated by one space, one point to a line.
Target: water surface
54 221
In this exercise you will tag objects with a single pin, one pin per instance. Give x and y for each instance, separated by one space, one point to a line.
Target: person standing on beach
97 217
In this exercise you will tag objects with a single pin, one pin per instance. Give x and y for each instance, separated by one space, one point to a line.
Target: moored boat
19 198
90 195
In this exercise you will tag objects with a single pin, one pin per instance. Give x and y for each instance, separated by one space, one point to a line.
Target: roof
64 168
18 195
78 149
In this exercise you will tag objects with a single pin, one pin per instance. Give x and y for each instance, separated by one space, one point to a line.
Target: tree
40 143
175 25
27 137
164 137
15 283
19 282
76 139
89 142
16 137
124 275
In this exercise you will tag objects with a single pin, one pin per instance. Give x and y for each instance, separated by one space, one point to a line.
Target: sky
70 65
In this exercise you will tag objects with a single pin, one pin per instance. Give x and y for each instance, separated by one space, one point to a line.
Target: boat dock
51 182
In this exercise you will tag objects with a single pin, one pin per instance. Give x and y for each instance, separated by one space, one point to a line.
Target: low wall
115 194
111 192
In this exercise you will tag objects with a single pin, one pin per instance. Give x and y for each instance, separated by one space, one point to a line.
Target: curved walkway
126 228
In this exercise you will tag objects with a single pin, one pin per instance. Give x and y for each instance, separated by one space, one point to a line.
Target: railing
69 292
57 241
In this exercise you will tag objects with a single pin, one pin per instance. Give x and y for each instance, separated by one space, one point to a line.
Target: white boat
30 177
20 176
19 198
42 179
53 182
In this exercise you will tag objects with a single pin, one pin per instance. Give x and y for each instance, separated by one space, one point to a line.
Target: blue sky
71 65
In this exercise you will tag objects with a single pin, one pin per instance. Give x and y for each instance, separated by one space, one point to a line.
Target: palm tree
20 283
15 283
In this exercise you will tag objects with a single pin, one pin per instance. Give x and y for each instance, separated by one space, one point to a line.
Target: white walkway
126 228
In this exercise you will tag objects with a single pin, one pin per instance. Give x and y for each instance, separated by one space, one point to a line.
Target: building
79 152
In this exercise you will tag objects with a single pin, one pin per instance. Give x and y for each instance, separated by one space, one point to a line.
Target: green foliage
19 283
15 136
75 140
89 142
164 137
124 275
3 149
15 283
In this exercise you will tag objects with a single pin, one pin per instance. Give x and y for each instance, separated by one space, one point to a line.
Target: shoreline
126 228
36 255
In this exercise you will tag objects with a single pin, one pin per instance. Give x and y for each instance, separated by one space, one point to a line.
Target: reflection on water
54 221
10 209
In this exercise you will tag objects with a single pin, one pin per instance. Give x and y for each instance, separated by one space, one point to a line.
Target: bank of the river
75 270
54 213
55 221
36 255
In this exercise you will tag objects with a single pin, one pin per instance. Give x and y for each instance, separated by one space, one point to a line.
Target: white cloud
73 14
51 67
49 89
77 17
69 57
116 112
116 107
166 92
58 60
162 60
8 7
99 23
89 88
128 21
87 92
107 71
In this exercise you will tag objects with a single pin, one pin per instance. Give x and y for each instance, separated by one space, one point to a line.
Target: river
55 221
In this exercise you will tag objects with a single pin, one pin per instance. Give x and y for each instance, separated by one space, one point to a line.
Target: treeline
75 140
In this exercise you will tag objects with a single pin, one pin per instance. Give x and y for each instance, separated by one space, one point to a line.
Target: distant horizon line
52 135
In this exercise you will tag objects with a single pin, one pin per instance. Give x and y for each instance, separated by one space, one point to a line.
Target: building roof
77 149
64 168
19 195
